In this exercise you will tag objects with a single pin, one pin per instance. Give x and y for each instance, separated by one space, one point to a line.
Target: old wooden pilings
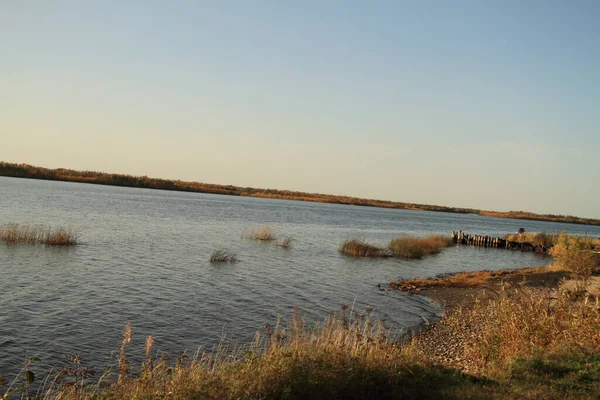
460 237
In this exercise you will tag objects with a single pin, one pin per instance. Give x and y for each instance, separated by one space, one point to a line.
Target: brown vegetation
570 219
360 248
523 343
62 174
465 279
285 242
222 256
414 247
37 234
261 233
574 254
542 239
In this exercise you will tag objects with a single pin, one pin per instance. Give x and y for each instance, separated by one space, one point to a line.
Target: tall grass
574 254
345 357
37 234
361 248
525 322
266 233
414 247
525 343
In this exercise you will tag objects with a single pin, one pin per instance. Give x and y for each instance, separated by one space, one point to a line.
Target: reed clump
38 234
415 247
360 248
222 256
265 233
285 242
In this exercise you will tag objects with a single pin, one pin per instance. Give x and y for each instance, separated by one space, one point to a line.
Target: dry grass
542 239
525 322
285 242
261 233
38 234
534 342
222 256
466 279
414 247
360 248
348 356
524 343
574 254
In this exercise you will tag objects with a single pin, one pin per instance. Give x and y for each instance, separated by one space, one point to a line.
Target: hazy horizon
489 106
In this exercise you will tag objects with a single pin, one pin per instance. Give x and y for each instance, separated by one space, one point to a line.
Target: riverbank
101 178
534 331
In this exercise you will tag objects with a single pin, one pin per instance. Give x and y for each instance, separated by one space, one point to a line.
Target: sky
485 104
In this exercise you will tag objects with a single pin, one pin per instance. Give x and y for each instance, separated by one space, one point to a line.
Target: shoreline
444 341
462 288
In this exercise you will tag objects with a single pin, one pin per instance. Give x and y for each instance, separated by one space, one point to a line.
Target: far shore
101 178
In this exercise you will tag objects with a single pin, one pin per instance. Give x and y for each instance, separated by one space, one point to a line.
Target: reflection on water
144 255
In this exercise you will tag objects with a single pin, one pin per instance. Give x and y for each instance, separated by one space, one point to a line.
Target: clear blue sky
486 104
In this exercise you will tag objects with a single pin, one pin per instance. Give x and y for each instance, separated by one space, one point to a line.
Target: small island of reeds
404 247
222 256
38 234
265 233
416 247
360 248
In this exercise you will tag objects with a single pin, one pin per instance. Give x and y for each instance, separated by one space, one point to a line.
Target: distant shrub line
62 174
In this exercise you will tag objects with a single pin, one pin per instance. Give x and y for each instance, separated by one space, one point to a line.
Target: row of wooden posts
460 237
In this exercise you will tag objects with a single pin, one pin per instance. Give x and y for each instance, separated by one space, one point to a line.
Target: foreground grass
523 343
342 358
533 342
414 247
37 234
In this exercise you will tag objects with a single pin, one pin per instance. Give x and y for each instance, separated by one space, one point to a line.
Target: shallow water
143 257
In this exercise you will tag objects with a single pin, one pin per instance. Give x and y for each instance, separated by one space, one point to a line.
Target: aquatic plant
260 233
415 247
222 256
285 242
360 248
38 234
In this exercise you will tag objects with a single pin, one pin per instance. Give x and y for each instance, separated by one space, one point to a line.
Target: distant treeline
62 174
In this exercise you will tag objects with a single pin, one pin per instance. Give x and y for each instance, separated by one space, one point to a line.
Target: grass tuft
360 248
414 247
261 233
37 234
222 256
285 242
